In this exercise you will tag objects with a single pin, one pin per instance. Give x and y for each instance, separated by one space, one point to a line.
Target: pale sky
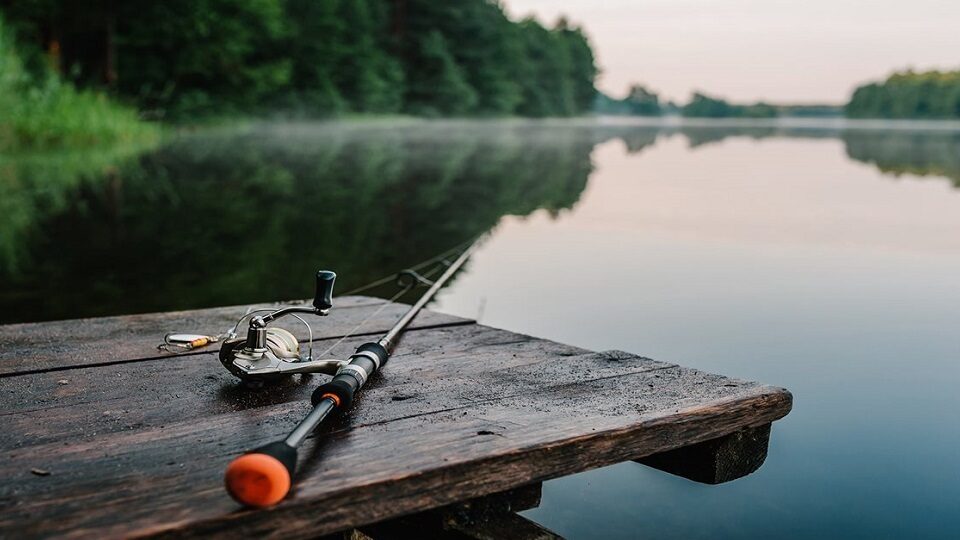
747 50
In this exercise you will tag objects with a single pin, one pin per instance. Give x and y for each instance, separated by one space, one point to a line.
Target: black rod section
367 360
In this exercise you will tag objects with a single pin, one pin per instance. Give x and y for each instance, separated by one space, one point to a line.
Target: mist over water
821 257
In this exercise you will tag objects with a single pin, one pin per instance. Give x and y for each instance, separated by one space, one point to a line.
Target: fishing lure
186 341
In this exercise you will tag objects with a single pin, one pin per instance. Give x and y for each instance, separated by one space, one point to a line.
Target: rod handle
262 477
323 297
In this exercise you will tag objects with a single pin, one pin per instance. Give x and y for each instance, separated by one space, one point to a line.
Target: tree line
704 106
931 95
641 101
187 58
926 95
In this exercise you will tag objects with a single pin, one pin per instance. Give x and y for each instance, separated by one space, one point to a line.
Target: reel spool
282 346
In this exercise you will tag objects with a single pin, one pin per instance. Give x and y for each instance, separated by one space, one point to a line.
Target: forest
909 94
641 101
181 60
704 106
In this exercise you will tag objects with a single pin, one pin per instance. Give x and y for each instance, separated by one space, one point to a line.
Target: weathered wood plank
432 459
87 403
718 460
37 347
138 446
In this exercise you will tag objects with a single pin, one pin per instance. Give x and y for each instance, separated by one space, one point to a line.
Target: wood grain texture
86 404
462 411
37 347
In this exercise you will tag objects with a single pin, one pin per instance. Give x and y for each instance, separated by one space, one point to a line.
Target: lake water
821 257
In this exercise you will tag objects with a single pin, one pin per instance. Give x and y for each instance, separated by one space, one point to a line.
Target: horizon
832 47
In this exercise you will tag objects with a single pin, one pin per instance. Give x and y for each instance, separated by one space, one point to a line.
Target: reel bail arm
322 299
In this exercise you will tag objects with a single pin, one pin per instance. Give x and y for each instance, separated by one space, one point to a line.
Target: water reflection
809 257
898 153
35 186
228 218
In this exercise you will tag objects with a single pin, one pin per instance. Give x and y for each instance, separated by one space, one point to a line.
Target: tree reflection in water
232 218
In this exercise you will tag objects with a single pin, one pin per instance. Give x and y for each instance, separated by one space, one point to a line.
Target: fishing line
367 319
392 277
403 290
189 341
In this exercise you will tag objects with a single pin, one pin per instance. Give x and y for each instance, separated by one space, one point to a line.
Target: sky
786 51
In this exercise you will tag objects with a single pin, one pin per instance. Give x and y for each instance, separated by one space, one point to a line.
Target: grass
50 113
59 116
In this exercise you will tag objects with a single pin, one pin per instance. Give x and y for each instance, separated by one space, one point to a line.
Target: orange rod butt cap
257 480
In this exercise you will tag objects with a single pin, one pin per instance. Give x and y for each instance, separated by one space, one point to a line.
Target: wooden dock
104 436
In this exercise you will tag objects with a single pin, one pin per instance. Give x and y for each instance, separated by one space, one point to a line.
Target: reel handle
323 298
262 477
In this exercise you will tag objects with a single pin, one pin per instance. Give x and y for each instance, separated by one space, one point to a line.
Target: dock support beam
718 460
495 516
492 517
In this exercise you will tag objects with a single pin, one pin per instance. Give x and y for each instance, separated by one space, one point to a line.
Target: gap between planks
216 351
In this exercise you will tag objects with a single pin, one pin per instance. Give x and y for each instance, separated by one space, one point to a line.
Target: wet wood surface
103 436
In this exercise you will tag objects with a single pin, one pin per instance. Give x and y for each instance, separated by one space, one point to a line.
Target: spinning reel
270 352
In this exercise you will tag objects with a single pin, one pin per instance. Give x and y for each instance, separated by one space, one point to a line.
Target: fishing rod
262 477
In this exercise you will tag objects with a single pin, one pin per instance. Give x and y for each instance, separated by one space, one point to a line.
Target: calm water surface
821 258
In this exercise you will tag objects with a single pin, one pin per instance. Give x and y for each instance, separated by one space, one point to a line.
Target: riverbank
766 126
46 113
57 116
785 122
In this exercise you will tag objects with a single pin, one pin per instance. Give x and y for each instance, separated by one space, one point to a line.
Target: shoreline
837 124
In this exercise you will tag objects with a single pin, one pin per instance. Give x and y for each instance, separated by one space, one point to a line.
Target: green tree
703 106
192 57
547 91
642 102
42 111
639 102
582 69
485 49
178 57
182 59
932 94
371 80
314 43
441 84
477 36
